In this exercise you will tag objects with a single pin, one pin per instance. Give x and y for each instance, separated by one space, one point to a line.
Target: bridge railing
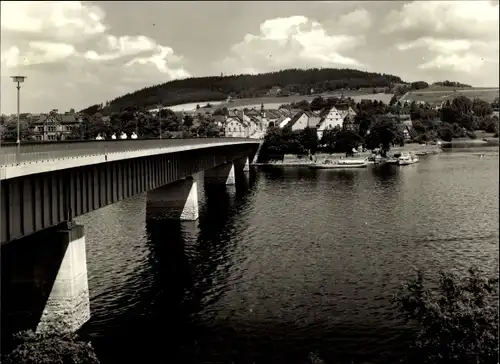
44 151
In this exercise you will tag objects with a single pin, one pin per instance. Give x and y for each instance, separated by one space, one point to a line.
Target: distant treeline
217 88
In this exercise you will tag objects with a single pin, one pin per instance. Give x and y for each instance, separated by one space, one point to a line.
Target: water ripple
304 261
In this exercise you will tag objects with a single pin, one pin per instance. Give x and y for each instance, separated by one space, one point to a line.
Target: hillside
442 94
217 88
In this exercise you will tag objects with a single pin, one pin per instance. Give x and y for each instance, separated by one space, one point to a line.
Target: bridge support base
242 164
177 200
223 174
68 305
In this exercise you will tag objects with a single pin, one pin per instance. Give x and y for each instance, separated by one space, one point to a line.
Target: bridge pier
68 306
242 164
177 200
222 174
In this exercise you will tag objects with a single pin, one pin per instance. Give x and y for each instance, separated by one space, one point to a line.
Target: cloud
358 19
455 19
55 19
460 37
465 63
67 47
295 41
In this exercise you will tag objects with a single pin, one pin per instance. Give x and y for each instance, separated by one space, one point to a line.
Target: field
443 94
275 102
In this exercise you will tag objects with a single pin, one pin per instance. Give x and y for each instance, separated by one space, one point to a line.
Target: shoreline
293 161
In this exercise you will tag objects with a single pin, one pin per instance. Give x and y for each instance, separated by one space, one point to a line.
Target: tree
31 348
9 132
188 121
346 141
309 140
394 100
383 134
318 103
273 146
446 132
419 85
329 138
457 320
364 121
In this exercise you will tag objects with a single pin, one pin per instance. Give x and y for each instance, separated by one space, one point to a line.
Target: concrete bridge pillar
222 174
177 200
242 164
68 306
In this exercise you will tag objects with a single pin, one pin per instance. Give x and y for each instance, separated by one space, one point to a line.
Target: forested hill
244 86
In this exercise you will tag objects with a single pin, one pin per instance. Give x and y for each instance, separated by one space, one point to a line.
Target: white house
300 121
238 125
330 120
346 110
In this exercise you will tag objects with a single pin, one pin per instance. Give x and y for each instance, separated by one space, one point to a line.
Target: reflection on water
288 262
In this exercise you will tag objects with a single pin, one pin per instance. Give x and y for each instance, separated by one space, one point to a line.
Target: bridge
44 186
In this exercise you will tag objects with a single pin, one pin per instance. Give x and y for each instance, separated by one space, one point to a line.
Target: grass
442 94
274 102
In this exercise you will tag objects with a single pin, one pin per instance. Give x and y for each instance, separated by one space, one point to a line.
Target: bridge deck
47 151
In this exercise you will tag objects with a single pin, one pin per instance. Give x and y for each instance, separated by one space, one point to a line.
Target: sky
76 54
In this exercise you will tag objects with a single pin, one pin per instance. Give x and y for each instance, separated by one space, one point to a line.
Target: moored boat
394 159
407 158
340 163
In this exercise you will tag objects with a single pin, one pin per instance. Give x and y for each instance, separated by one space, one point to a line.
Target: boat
340 163
394 159
407 158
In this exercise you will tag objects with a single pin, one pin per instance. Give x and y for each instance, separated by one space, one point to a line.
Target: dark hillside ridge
217 88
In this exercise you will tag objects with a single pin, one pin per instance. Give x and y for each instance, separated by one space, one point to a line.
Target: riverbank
482 138
294 161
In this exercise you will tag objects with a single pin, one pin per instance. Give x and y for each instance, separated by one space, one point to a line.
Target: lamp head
18 78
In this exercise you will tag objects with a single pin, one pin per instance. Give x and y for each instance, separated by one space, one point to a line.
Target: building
55 126
350 124
298 122
237 125
330 119
313 119
274 91
346 110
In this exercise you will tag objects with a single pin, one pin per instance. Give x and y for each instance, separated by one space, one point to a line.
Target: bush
34 348
458 320
446 133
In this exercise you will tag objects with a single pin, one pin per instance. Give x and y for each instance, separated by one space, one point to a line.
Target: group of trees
460 117
130 120
400 90
217 88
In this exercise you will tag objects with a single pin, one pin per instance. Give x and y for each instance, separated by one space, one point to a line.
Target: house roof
273 114
252 112
311 114
284 122
60 118
236 115
342 107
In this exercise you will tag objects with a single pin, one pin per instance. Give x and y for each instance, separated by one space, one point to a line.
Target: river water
290 262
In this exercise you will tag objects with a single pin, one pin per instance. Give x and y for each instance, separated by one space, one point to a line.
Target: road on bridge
45 151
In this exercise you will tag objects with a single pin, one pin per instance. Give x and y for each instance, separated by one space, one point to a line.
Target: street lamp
18 80
159 118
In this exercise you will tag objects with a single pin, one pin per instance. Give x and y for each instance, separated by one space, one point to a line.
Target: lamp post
18 80
159 118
